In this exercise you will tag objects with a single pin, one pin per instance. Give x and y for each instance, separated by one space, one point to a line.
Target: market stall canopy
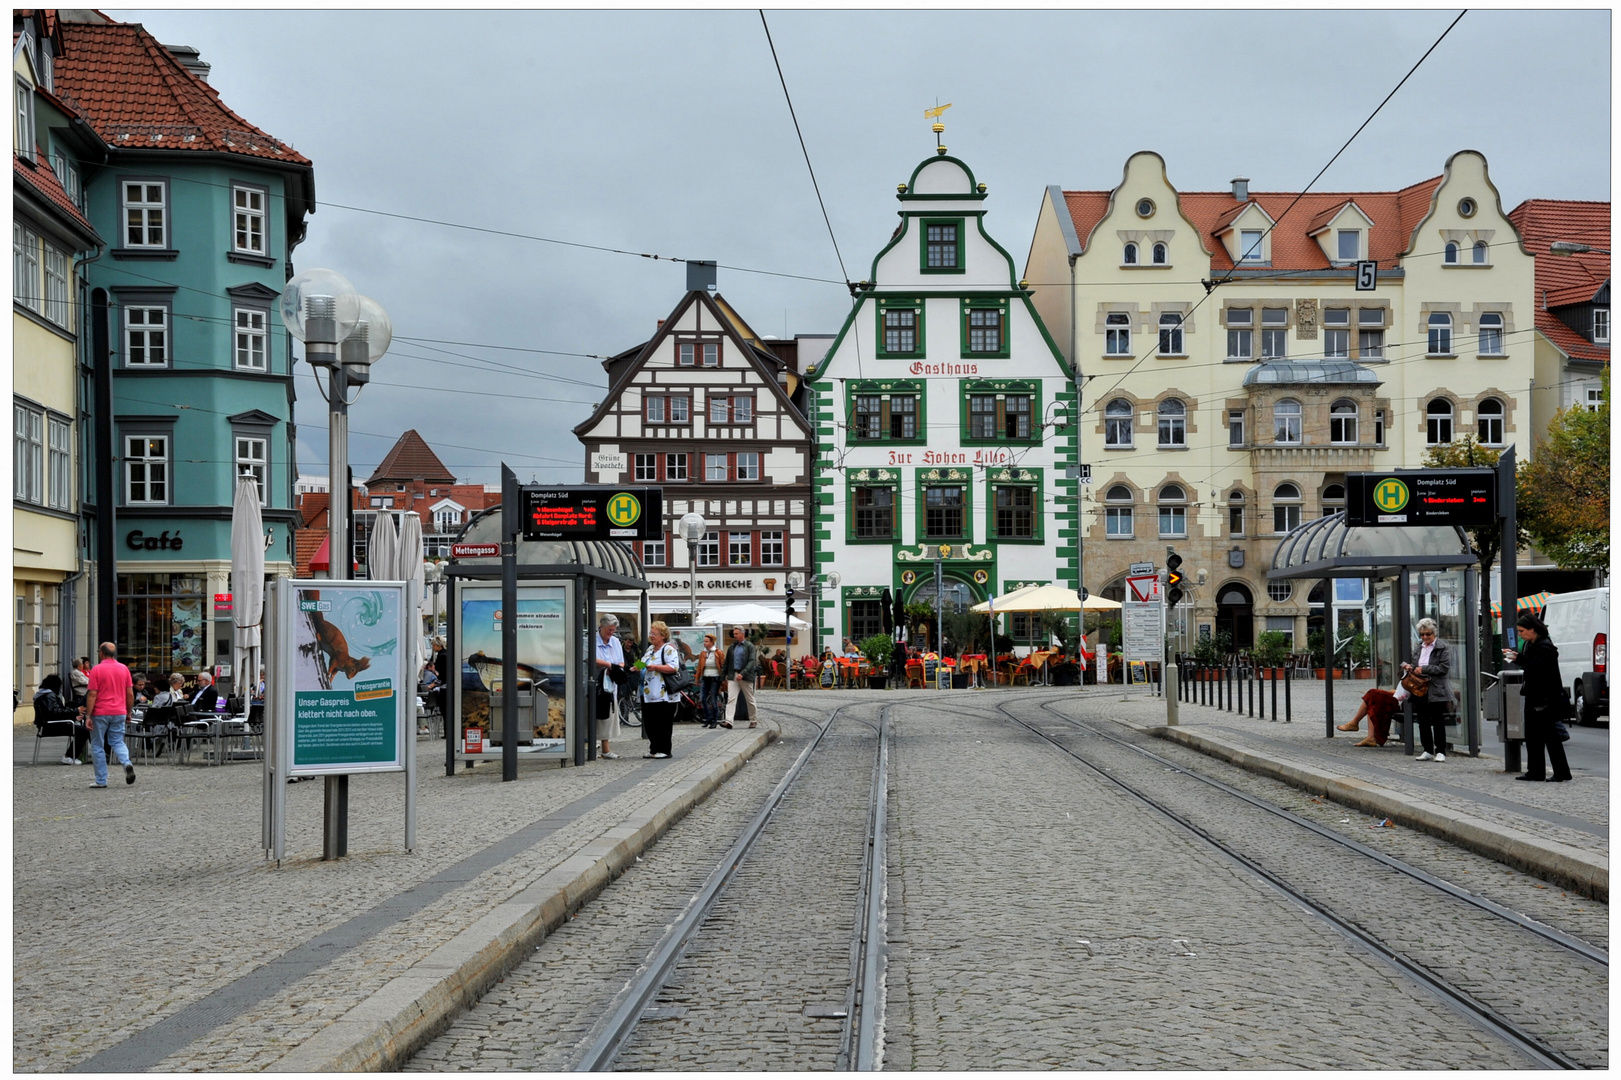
1534 602
746 614
1047 598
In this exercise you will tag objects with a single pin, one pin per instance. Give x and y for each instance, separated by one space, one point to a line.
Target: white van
1579 624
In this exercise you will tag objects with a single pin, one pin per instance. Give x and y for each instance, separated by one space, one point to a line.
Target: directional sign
1140 569
592 513
1142 590
1462 497
474 551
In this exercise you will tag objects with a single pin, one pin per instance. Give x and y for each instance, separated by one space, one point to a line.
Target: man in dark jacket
206 697
739 668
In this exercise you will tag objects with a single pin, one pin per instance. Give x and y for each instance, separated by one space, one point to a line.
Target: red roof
1395 214
411 459
135 93
1562 280
39 176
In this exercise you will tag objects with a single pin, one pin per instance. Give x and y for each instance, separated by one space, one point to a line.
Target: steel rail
655 972
1464 1003
1584 949
868 988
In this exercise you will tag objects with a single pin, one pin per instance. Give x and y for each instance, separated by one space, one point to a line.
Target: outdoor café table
974 664
849 669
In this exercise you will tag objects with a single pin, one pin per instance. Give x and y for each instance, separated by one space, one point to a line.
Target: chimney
1241 188
191 60
661 324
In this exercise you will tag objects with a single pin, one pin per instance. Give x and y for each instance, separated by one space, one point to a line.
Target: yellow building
1234 371
49 233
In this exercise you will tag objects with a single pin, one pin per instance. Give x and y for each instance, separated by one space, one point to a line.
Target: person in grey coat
1434 662
739 668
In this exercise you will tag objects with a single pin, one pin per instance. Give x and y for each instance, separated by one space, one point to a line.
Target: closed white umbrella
247 581
408 567
382 549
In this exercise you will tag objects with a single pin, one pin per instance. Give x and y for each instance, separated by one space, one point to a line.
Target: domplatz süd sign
593 513
1463 497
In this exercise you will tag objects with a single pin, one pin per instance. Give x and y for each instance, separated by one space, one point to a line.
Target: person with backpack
1545 704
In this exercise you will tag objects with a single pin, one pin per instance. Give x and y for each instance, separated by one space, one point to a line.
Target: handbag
1415 684
678 680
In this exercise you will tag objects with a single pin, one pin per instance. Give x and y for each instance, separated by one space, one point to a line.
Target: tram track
861 1014
1485 1015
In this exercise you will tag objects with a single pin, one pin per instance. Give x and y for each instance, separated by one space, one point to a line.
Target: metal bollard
1288 708
1275 694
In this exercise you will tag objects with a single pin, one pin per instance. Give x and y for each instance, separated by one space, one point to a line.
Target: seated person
174 695
53 716
1380 707
259 691
143 693
204 700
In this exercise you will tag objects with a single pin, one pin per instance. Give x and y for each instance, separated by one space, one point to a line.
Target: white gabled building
942 414
706 409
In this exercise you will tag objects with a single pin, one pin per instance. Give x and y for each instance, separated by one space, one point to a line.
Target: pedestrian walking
709 684
658 703
739 670
1544 694
610 670
110 698
1433 662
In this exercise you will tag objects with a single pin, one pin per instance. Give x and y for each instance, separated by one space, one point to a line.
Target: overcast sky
667 133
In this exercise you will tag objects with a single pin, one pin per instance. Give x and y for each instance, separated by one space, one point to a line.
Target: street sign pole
512 521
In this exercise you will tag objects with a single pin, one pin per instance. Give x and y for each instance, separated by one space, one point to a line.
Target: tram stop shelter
558 582
1413 572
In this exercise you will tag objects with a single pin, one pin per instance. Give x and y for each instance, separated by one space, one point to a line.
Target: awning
1535 602
1328 548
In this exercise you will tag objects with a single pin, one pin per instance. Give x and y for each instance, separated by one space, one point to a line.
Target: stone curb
383 1031
1558 863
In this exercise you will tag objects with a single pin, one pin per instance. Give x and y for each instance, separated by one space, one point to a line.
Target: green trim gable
973 191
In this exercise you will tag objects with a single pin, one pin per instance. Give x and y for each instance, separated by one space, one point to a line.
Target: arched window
1117 513
1117 419
1170 334
1173 512
1440 334
1161 255
1438 422
1286 422
1479 252
1342 423
1129 256
1333 498
1285 508
1491 333
1450 254
1117 334
1173 423
1235 513
1489 417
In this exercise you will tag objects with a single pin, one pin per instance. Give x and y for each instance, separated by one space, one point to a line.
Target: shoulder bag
678 680
1415 684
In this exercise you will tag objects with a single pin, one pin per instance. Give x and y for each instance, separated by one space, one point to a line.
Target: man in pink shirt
111 696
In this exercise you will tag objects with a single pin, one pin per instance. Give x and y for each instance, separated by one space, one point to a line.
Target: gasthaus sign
1463 497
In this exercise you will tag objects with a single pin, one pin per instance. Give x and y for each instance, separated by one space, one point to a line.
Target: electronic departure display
1463 497
592 513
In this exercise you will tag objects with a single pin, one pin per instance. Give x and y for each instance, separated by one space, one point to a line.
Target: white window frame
1490 334
153 468
1236 514
1480 253
771 548
1118 517
1449 253
655 554
1117 334
58 299
249 224
1438 329
145 330
25 138
653 408
148 210
1161 254
675 468
1337 333
59 470
1286 509
1287 420
1370 344
1173 512
1342 423
28 462
1170 334
1171 423
1438 422
1593 397
25 285
748 465
709 549
1601 326
715 471
1355 238
1491 427
67 173
1119 422
246 336
1128 255
1274 334
251 455
1252 250
645 468
1235 427
680 404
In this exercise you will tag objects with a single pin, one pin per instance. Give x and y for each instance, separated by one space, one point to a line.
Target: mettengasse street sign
592 513
1463 497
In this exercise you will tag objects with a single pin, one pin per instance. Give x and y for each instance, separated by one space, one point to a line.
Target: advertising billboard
352 699
478 693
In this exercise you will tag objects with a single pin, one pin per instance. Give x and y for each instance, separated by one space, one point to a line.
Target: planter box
959 681
1362 673
878 682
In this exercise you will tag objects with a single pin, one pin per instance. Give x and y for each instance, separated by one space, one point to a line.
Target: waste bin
1511 723
526 717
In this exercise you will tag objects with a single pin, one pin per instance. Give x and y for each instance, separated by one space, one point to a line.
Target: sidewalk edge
381 1033
1558 863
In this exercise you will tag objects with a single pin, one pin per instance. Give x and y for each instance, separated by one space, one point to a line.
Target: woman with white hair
1433 661
611 667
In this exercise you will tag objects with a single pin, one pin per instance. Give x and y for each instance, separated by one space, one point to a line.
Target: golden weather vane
939 128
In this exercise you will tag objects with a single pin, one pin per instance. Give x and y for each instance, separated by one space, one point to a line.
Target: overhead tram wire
1210 288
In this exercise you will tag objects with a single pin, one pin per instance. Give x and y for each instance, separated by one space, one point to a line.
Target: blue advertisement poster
349 684
542 690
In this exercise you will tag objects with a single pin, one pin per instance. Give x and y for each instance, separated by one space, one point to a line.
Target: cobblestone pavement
1044 919
170 874
777 941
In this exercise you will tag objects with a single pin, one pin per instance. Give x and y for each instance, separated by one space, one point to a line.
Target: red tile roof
135 93
1395 214
1566 279
39 176
411 459
307 544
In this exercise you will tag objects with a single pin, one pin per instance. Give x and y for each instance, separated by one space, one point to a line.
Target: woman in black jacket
53 716
1544 698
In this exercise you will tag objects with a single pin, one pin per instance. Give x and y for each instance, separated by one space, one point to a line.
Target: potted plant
1361 656
877 649
1211 652
1271 650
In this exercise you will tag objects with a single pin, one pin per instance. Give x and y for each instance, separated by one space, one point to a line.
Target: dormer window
1249 246
25 118
1350 244
1601 326
1129 255
1161 255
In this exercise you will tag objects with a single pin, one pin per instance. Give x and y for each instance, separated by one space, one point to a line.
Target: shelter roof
1295 372
1329 548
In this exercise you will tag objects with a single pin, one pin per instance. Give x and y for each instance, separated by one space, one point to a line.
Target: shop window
1349 241
1449 254
675 468
1601 326
25 286
161 623
1251 244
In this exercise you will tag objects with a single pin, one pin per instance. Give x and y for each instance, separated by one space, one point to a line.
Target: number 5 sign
1367 275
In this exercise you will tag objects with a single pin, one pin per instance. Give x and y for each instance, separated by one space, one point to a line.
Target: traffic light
1173 578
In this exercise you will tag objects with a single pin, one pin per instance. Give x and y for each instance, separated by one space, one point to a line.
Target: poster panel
351 693
543 703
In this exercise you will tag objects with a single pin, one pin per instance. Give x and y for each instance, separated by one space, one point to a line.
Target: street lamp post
345 333
692 527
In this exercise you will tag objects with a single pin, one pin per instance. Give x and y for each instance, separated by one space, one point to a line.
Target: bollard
1288 708
1227 682
1274 695
1252 690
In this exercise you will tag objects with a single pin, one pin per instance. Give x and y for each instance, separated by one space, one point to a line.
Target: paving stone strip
145 1049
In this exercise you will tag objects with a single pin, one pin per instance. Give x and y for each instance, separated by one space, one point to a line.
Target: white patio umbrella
740 614
382 549
247 582
998 604
408 567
